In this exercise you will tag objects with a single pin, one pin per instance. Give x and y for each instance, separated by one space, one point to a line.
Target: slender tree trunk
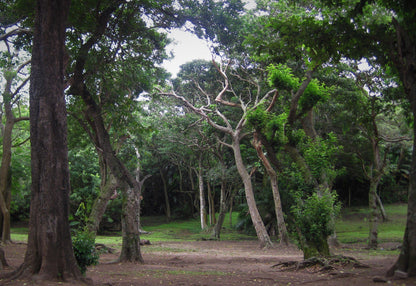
202 209
281 225
49 253
211 205
165 193
261 231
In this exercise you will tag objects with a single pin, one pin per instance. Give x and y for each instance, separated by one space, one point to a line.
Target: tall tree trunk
281 225
49 253
5 168
202 209
261 231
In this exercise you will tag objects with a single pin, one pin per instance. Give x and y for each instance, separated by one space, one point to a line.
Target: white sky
187 47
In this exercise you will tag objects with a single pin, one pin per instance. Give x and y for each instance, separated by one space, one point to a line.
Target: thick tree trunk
281 225
130 250
261 231
49 253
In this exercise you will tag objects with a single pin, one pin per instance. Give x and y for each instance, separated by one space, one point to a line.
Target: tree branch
14 33
225 88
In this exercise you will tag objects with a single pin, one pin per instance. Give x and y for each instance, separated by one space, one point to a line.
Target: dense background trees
313 97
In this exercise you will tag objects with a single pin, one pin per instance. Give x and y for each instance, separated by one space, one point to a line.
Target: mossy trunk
316 248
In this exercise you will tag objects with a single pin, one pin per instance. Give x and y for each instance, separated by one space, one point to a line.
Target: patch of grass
187 230
18 237
353 225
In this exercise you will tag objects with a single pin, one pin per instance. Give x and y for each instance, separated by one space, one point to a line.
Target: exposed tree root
323 264
3 261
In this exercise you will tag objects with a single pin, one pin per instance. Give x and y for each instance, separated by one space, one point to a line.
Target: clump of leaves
281 77
314 93
270 124
83 243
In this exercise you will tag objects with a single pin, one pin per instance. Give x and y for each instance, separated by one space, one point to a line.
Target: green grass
353 225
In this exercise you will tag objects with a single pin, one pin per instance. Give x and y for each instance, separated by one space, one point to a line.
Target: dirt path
225 263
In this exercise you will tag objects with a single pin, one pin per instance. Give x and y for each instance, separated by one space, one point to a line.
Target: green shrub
83 243
314 218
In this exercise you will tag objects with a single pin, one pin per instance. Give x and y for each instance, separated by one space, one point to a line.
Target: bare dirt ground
227 263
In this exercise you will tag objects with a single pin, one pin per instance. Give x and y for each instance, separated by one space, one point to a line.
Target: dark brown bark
49 253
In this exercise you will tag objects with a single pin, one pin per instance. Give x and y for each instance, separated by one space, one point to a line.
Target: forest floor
229 263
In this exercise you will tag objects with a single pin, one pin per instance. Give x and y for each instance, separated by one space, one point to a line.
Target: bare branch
21 143
22 118
225 88
275 96
200 111
18 89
